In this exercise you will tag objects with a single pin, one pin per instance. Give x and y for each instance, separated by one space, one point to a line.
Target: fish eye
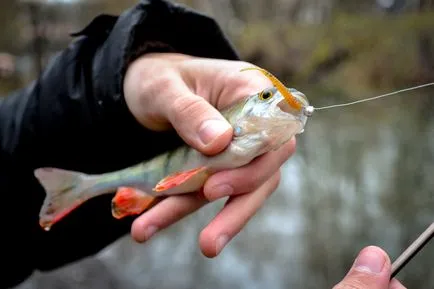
265 95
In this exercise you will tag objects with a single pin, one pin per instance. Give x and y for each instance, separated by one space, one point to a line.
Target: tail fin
66 190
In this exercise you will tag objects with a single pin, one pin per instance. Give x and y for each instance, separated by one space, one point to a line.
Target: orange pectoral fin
183 181
130 201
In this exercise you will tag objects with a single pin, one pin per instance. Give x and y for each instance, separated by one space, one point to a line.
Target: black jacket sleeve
75 117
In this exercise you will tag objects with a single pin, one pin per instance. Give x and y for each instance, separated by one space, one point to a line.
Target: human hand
371 270
165 90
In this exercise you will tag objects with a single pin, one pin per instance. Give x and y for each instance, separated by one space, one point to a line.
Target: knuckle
159 85
186 106
164 78
164 83
252 177
248 181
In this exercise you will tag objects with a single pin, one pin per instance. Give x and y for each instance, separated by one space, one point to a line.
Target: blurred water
360 176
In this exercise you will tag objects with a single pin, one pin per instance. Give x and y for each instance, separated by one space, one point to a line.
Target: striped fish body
261 122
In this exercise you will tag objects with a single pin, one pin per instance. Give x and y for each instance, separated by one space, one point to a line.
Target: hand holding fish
238 129
164 90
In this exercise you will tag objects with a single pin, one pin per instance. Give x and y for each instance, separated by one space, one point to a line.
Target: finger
395 284
200 124
249 177
371 270
165 100
233 217
164 214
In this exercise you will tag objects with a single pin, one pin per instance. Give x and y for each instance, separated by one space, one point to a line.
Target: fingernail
221 191
212 129
150 231
221 243
370 260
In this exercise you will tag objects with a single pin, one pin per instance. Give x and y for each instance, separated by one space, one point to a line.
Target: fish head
267 119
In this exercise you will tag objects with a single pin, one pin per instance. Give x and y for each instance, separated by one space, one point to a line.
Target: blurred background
361 175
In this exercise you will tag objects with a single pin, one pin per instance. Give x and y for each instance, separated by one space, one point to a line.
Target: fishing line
428 234
310 109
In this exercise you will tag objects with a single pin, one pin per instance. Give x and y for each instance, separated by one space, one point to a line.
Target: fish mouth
282 110
285 108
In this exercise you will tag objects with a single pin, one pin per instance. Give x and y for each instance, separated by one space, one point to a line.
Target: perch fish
261 122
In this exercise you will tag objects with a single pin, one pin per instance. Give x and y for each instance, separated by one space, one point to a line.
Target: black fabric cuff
150 26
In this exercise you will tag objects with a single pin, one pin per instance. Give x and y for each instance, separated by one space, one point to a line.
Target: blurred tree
426 45
9 11
9 76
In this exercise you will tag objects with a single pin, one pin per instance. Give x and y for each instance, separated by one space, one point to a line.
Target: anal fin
130 201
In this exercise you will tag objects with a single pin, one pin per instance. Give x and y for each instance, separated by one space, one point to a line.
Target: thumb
198 122
371 270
